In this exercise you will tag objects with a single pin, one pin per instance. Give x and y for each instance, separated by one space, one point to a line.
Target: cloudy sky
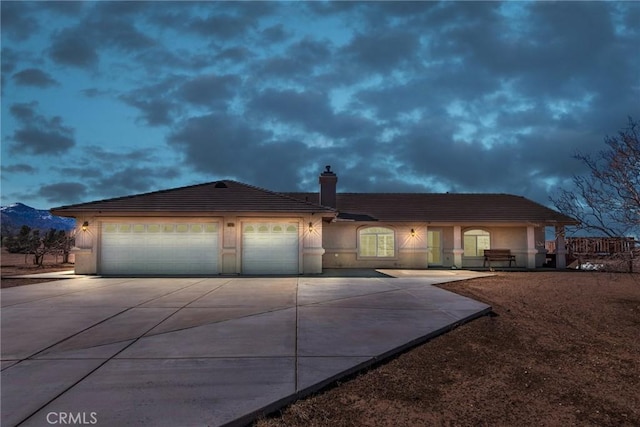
103 99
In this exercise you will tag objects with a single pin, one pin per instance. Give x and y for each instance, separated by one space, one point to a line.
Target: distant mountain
16 215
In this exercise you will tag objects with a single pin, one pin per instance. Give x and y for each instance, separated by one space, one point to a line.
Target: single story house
227 227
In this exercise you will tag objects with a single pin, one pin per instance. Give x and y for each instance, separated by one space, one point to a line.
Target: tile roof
221 196
233 196
449 207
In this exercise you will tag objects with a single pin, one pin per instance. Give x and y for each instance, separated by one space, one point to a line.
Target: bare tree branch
606 201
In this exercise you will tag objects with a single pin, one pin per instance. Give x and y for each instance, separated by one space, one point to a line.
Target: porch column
457 246
531 247
561 249
426 243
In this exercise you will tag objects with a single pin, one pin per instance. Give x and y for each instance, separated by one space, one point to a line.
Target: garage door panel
138 248
270 248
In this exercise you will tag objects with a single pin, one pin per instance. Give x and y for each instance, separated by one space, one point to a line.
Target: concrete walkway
204 351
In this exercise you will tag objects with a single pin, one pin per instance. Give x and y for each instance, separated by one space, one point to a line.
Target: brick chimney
328 182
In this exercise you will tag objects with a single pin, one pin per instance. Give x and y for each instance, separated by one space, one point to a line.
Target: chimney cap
328 171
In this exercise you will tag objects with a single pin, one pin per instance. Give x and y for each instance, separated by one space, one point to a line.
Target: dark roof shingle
221 196
449 207
233 196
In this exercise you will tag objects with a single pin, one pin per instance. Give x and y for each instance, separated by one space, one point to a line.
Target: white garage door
270 248
159 248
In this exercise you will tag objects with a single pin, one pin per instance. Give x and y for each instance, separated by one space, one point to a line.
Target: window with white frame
376 242
476 241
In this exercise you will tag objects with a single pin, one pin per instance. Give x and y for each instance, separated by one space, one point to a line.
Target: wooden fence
594 245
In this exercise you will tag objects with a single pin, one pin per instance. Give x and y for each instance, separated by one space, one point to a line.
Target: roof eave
73 213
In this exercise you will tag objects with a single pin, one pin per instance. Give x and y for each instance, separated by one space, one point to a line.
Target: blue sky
104 99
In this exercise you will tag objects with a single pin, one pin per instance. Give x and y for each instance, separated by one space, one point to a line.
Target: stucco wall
341 245
447 246
513 238
329 245
87 251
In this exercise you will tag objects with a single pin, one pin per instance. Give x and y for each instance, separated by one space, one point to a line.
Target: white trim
372 258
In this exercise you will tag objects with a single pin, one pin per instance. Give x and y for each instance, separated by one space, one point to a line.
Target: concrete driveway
212 351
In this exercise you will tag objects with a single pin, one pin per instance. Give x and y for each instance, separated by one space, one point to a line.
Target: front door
434 246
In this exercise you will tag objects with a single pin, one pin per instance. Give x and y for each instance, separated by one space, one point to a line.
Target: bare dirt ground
562 350
15 265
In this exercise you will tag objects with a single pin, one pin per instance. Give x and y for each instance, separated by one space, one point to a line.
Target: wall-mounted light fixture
85 225
310 227
413 233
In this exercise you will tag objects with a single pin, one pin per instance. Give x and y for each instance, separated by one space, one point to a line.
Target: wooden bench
498 255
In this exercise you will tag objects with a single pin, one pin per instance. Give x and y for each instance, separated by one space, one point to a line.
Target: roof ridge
284 196
130 196
403 193
204 184
413 194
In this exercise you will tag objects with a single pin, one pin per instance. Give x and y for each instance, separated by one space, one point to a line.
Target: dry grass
562 350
